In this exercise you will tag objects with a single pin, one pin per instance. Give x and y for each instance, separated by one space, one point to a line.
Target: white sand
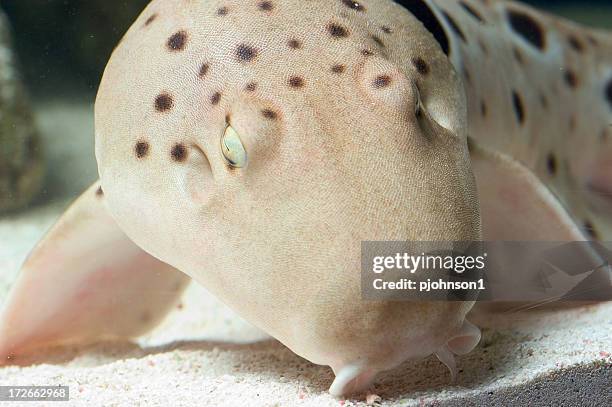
205 355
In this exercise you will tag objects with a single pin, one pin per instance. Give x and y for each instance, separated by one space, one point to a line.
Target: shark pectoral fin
515 205
86 282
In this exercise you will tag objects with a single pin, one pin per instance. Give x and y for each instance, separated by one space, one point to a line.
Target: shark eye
232 148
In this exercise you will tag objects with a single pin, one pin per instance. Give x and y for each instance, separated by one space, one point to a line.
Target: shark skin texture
253 145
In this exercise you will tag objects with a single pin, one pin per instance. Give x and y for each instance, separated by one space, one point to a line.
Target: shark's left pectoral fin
515 205
86 282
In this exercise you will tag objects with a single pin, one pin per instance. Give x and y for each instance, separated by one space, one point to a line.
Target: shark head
246 130
255 145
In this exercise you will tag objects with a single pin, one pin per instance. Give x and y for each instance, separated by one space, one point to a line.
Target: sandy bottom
204 354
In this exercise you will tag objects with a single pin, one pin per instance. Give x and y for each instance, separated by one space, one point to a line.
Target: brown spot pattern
609 92
570 78
215 98
246 53
177 41
338 68
551 164
353 5
269 114
141 149
150 19
421 66
294 44
296 82
378 41
590 229
266 5
519 108
179 153
163 102
337 30
381 81
528 28
204 70
575 43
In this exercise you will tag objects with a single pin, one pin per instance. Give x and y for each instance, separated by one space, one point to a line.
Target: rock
21 159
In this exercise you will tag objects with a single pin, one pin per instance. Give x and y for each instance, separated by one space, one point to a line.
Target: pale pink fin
462 342
86 282
465 339
446 356
514 203
352 379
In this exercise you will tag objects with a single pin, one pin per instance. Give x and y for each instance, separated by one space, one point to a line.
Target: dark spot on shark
215 98
338 68
353 5
386 29
150 20
251 87
427 17
518 56
141 149
177 41
381 81
163 102
296 82
609 92
519 108
269 114
421 66
528 28
366 52
454 26
571 78
179 153
484 109
551 164
472 11
294 44
590 229
222 11
246 53
265 5
483 46
337 31
468 76
544 101
204 70
378 41
575 43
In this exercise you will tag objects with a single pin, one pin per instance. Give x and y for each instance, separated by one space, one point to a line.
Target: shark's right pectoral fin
86 282
515 205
